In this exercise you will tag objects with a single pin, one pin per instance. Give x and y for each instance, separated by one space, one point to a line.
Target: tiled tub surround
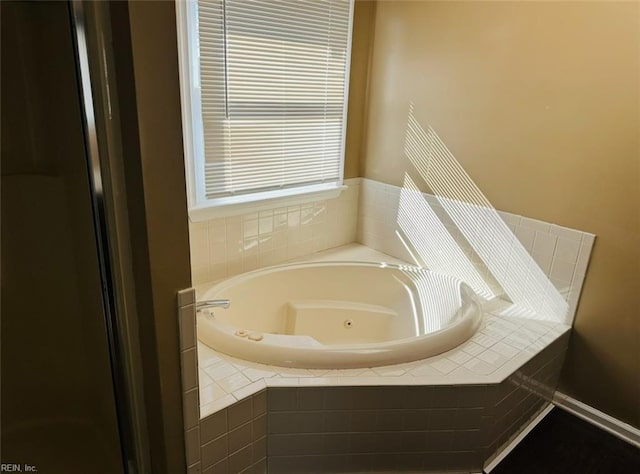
498 378
447 413
415 227
228 246
499 348
371 213
514 359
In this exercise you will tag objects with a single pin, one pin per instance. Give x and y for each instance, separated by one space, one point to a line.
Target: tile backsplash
501 251
228 246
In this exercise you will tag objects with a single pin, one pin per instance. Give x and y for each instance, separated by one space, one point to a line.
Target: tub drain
348 323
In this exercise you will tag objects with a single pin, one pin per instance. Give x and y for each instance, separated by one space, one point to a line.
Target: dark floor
565 444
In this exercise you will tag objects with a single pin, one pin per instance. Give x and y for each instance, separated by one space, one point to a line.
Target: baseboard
603 421
525 431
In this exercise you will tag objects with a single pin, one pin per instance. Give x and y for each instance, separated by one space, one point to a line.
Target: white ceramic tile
517 341
203 378
561 270
543 261
504 349
249 389
319 381
249 263
189 365
265 225
424 370
368 374
190 408
250 246
187 327
211 393
282 382
217 235
536 225
199 271
293 216
364 381
459 357
250 228
444 365
199 244
526 237
240 364
233 382
567 250
266 242
510 219
495 331
233 229
217 271
186 296
220 404
258 374
544 243
583 257
280 221
318 372
192 445
266 213
234 266
389 371
293 372
207 356
221 370
472 348
492 357
479 367
566 233
463 375
349 372
483 340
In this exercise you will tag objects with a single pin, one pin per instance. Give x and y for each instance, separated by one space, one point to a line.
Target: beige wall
363 16
148 93
539 102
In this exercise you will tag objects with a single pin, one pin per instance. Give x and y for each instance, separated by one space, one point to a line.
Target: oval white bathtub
330 315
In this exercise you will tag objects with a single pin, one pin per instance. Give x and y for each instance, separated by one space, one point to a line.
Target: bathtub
330 315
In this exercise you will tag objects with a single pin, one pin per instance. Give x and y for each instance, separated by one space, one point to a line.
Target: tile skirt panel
430 429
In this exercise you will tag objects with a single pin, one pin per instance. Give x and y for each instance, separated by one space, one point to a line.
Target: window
264 89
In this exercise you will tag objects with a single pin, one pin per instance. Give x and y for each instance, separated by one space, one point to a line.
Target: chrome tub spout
212 304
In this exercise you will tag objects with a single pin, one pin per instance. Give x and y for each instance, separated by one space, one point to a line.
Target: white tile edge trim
597 418
511 446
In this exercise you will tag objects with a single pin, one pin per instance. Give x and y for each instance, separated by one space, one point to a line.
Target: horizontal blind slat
272 88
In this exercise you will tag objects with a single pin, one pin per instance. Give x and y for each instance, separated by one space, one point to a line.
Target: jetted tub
330 315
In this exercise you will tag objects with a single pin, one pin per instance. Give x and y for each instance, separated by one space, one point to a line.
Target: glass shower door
58 410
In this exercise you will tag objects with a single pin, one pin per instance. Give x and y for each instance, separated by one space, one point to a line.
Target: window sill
227 209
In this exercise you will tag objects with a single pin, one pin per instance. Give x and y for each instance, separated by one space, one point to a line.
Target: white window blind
272 80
